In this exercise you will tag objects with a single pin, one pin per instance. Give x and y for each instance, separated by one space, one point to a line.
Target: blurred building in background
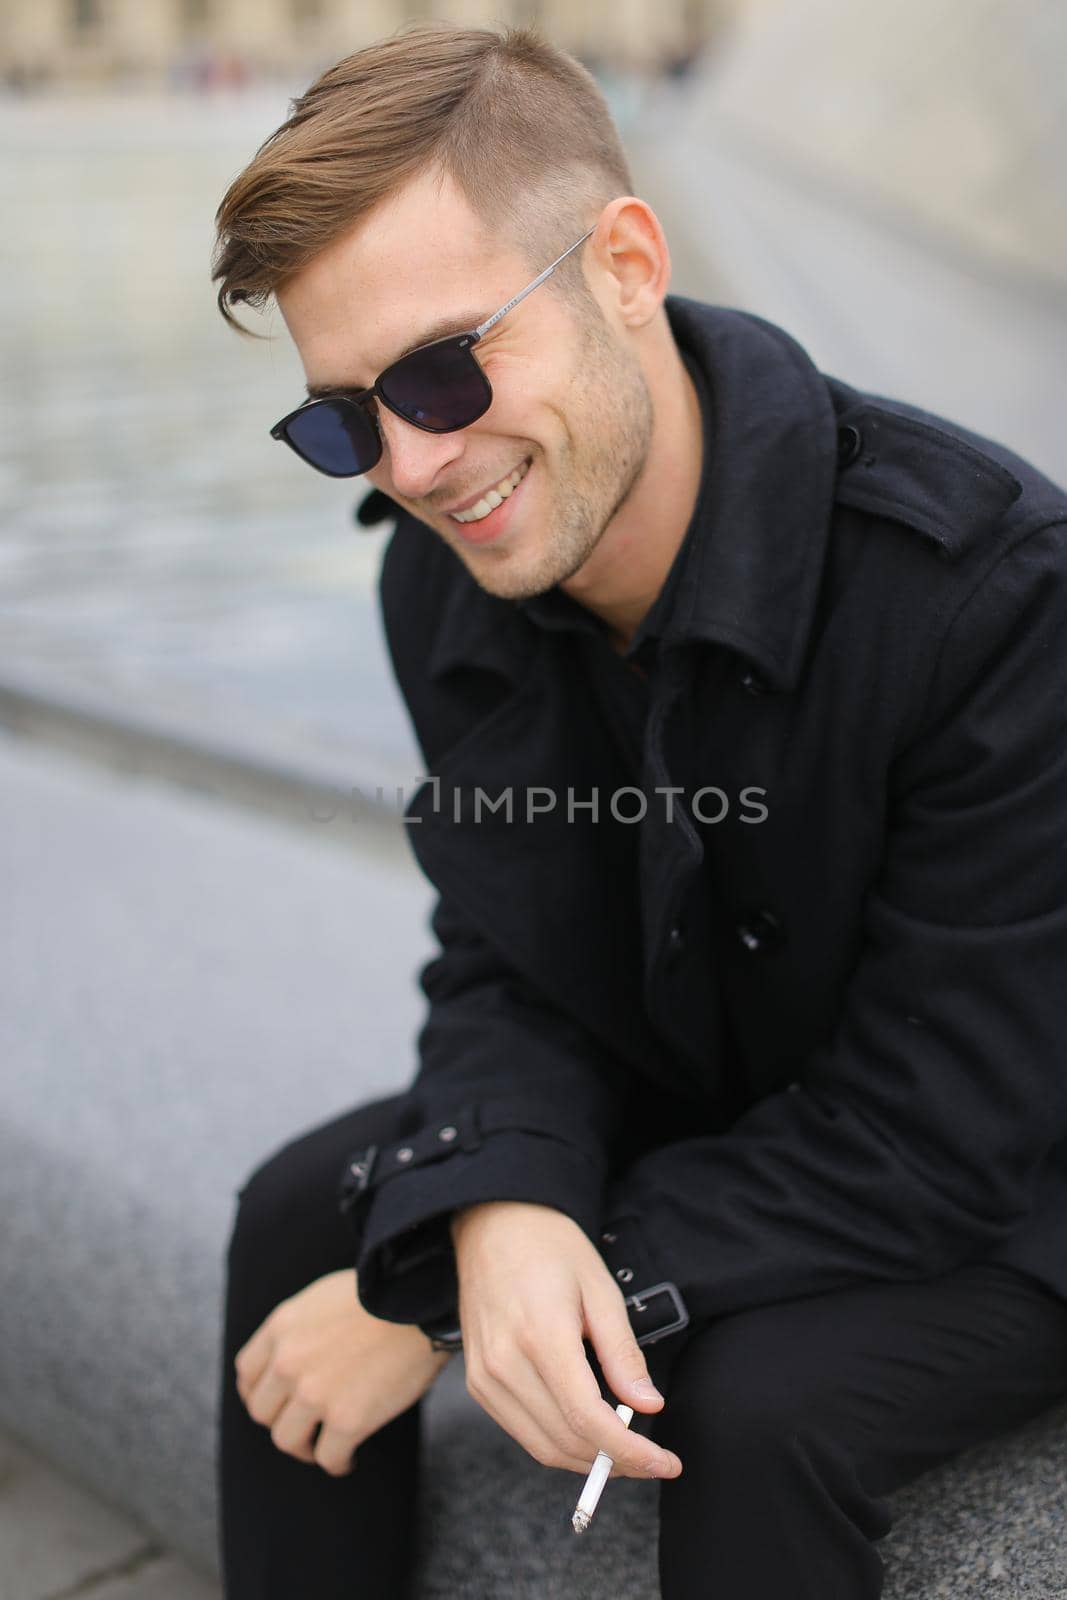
890 186
219 42
953 114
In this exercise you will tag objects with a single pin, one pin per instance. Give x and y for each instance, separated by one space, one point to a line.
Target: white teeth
493 497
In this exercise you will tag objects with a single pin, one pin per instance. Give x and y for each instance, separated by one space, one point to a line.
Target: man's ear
631 256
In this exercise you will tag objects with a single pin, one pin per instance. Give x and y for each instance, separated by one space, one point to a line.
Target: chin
517 572
504 580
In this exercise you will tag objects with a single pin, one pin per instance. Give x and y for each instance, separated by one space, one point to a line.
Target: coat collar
758 542
753 555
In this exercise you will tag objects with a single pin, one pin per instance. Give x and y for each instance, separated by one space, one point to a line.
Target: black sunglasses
439 387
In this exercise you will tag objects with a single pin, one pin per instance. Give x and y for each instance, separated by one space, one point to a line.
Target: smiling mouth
495 496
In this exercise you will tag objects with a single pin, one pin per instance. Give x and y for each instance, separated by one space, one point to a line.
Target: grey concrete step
59 1540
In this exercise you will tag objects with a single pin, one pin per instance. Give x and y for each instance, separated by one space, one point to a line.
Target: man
743 698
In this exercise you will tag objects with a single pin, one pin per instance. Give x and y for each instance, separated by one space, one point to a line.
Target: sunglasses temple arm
484 327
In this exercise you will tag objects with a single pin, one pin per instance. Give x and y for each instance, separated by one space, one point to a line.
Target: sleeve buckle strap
369 1168
357 1175
437 1140
651 1322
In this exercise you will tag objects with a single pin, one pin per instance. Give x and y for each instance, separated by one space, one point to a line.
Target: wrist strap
374 1165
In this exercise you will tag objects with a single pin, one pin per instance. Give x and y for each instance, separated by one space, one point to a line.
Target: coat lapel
550 886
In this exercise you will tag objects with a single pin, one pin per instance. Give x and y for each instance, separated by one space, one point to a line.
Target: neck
633 556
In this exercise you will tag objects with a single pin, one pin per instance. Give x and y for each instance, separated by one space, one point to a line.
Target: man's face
571 409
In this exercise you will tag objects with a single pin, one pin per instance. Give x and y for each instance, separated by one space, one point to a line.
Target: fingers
269 1399
266 1399
524 1409
592 1418
300 1431
294 1428
250 1361
516 1419
335 1451
555 1411
621 1358
294 1425
301 1376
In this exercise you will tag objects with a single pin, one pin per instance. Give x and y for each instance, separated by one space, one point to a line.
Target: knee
734 1400
265 1202
756 1417
295 1192
269 1182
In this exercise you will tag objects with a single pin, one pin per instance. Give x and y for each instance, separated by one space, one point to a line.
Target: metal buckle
357 1176
681 1315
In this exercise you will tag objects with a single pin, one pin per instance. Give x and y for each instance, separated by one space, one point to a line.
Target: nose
412 458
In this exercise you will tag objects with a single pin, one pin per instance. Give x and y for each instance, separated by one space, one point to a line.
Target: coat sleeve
512 1100
913 1141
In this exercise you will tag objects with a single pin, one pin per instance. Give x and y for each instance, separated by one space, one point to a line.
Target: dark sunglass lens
337 436
439 388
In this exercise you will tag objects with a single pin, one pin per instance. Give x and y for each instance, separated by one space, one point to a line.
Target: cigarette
598 1477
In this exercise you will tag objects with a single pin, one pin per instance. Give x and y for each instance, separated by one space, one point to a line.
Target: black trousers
793 1421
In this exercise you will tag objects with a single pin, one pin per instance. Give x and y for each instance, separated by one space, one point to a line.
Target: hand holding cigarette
532 1289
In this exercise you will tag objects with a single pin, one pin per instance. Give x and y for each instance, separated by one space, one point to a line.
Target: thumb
621 1358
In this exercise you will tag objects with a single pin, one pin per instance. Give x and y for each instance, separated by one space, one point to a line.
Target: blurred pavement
58 1541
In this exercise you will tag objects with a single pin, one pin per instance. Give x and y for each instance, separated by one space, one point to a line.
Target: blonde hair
521 127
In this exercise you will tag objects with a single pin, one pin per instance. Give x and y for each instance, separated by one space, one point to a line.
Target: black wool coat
759 1056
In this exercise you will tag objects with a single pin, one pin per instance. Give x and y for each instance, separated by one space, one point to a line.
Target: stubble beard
608 439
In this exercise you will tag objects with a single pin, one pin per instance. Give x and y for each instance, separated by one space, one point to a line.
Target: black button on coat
869 639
